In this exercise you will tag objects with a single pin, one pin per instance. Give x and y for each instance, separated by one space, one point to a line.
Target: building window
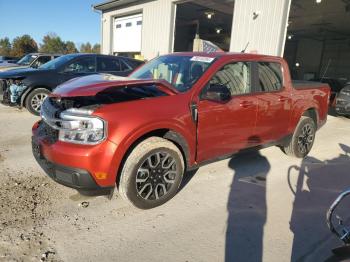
139 23
128 24
119 26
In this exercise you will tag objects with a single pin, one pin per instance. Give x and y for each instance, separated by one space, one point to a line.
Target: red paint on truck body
223 128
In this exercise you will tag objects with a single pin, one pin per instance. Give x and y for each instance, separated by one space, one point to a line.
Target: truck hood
13 67
22 72
94 84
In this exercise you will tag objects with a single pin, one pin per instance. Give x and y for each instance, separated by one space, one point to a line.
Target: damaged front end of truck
68 121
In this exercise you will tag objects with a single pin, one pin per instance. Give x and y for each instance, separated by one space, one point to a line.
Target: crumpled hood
93 84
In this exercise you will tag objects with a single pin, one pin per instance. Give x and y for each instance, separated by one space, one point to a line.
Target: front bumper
85 168
342 106
76 178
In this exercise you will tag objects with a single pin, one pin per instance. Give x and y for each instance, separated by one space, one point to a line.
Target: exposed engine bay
11 90
70 118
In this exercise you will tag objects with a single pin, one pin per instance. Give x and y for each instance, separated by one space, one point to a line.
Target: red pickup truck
175 113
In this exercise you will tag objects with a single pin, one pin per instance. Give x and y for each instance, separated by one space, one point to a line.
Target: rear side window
107 64
270 76
124 66
236 76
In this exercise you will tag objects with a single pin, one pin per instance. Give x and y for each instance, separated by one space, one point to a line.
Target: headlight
345 92
81 129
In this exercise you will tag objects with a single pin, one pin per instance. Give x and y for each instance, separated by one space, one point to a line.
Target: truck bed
302 84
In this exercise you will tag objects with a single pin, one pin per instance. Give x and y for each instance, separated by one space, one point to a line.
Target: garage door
127 34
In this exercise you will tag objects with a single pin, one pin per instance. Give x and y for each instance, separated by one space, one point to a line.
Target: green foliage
5 46
96 49
70 48
22 45
53 44
86 48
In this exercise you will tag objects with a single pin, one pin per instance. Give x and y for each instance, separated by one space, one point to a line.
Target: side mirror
216 92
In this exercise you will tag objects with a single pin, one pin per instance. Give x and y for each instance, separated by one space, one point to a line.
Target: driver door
226 127
79 67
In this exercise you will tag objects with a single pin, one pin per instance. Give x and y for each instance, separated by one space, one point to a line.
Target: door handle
246 104
283 99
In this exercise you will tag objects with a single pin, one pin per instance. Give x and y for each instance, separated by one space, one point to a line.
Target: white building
313 35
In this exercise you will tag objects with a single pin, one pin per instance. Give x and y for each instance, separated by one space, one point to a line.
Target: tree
96 49
86 48
70 48
22 45
5 46
53 44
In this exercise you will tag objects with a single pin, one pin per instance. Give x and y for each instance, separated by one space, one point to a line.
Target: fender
28 90
175 132
298 111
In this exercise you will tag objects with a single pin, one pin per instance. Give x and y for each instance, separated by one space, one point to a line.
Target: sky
72 20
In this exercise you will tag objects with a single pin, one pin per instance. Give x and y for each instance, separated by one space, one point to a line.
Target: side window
41 60
124 66
270 76
82 65
105 64
236 76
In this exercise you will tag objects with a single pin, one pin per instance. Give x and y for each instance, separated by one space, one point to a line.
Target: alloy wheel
37 101
306 138
156 175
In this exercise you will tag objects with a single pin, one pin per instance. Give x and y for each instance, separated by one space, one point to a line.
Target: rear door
113 65
224 128
274 102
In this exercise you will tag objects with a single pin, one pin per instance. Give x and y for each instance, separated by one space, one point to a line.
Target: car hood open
94 84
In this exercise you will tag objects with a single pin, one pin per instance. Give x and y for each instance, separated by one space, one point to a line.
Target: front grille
49 112
47 132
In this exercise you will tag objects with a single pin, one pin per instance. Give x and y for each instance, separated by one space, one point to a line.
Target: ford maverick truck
142 133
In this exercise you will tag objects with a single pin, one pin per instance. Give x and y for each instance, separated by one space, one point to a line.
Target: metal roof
113 4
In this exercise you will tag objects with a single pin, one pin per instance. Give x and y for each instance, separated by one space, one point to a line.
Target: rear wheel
35 99
152 173
303 138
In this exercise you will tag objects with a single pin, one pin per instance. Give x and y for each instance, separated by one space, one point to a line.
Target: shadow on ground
315 184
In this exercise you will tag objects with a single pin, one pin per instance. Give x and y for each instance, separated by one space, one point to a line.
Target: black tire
303 138
157 182
34 100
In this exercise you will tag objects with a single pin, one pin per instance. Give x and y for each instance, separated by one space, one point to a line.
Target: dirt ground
259 206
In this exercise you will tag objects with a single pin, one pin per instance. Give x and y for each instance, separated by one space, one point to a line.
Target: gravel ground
260 206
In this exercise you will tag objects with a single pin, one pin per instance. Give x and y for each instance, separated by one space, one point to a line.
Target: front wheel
35 99
152 173
303 138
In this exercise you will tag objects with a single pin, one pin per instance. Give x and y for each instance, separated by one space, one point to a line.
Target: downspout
101 27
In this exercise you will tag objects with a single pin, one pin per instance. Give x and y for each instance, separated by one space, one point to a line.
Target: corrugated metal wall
157 27
265 32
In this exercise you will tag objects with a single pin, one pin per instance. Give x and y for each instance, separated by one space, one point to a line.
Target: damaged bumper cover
5 93
76 178
342 106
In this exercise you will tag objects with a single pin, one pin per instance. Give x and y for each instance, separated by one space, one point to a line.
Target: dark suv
38 83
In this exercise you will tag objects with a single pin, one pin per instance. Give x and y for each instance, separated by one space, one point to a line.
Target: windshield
57 62
180 71
27 59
